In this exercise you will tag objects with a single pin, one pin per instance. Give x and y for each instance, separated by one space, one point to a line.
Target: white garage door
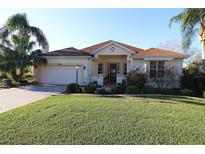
60 74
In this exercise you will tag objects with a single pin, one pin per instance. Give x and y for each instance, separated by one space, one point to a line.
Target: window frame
102 69
157 69
124 71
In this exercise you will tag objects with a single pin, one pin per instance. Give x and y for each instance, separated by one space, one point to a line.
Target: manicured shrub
149 90
7 82
132 90
72 88
169 91
90 89
119 89
101 91
136 79
109 90
187 92
23 82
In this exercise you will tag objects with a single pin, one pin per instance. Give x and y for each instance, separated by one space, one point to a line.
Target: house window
157 69
118 68
100 68
125 68
153 69
161 71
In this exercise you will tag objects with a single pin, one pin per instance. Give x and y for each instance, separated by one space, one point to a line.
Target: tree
21 45
193 77
192 20
175 45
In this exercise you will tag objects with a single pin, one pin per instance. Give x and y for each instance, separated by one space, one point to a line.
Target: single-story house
109 61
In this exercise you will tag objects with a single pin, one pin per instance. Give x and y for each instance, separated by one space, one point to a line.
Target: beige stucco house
107 62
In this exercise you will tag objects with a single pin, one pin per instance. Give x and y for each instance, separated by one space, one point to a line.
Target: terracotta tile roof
96 46
67 52
135 49
159 52
99 45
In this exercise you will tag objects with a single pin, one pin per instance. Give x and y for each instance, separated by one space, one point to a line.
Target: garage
60 74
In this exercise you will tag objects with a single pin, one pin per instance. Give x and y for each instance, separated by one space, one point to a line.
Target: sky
79 28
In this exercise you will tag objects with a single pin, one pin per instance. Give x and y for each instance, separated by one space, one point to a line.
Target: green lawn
89 119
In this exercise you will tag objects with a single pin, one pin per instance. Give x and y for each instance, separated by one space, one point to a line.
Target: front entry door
113 72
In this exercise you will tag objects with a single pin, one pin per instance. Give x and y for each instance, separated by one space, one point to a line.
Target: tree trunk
14 74
21 73
202 39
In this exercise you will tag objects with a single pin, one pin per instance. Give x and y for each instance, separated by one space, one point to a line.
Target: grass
89 119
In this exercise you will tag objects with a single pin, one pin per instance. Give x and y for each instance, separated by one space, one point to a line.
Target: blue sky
80 28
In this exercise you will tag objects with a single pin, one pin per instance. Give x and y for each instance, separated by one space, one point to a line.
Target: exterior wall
63 61
143 66
139 65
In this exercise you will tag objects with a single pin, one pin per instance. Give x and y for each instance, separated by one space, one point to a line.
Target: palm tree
18 45
192 22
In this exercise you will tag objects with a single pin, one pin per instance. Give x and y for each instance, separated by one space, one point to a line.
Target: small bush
119 89
72 88
7 82
132 90
101 91
109 91
136 79
169 91
149 90
90 89
187 92
23 82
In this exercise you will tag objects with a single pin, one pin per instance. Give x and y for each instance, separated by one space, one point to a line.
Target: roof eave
142 57
81 57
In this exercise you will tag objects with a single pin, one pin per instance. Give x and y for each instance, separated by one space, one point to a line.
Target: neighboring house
107 62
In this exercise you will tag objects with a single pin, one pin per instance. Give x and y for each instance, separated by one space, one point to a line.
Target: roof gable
112 49
96 47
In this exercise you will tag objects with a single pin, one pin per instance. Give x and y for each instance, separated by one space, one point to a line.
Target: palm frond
36 58
175 19
17 21
189 19
40 38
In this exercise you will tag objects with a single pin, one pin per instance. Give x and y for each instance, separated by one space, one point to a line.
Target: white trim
115 43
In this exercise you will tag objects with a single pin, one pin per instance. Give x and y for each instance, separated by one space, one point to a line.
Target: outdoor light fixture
76 77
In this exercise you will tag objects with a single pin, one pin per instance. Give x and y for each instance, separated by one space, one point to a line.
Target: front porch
110 69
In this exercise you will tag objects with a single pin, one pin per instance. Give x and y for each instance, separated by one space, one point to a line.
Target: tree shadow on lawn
164 99
111 96
175 99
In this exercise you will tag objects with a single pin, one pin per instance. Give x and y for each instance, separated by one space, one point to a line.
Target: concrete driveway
16 97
